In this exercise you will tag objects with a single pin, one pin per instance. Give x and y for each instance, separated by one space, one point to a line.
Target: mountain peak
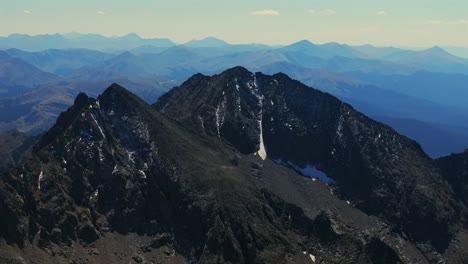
64 120
115 89
120 97
132 36
436 50
302 44
206 42
125 55
236 70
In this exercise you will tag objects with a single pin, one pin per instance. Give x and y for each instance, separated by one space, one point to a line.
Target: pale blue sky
379 22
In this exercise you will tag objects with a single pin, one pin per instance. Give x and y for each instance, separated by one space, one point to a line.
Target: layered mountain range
238 167
41 75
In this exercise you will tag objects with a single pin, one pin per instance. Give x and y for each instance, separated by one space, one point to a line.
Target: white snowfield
262 151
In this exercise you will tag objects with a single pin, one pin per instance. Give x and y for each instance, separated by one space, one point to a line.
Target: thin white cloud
458 22
266 12
325 12
381 13
328 12
448 22
27 11
100 12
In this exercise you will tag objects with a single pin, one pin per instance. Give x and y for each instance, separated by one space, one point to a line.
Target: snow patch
339 129
255 80
238 99
220 119
201 121
131 156
41 176
115 169
143 174
94 195
99 126
217 120
101 155
261 152
312 258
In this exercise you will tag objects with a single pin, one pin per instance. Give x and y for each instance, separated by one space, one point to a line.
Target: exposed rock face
455 170
384 173
116 180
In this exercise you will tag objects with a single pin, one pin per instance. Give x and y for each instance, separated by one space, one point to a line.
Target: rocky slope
455 170
382 172
117 180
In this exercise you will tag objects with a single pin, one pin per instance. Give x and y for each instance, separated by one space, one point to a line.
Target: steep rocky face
14 146
228 106
455 170
114 165
382 172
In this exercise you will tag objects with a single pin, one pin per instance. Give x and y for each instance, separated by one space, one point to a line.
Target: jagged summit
116 89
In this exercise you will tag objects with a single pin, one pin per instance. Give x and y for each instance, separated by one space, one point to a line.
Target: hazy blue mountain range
61 62
457 51
76 40
16 72
393 85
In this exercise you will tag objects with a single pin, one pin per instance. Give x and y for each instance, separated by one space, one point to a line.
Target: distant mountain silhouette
209 42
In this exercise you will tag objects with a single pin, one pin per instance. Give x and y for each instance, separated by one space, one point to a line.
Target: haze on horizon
384 23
